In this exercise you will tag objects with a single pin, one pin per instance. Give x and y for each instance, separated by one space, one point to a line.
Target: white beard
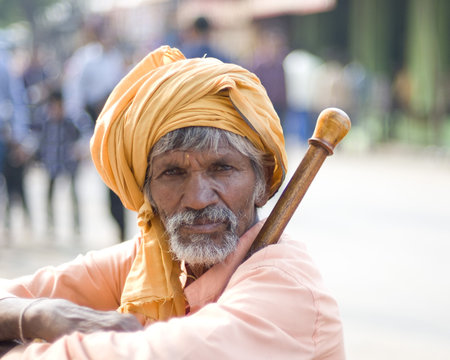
201 249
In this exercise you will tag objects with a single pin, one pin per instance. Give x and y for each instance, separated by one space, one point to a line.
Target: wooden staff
331 127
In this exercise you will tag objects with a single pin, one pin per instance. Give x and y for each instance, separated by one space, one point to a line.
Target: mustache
210 214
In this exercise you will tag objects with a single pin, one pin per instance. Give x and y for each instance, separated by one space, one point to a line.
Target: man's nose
199 192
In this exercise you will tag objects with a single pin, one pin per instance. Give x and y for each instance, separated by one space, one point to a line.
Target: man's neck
198 270
195 271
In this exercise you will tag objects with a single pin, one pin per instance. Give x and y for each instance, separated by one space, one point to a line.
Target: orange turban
165 92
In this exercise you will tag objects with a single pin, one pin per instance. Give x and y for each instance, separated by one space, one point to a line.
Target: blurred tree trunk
371 44
370 33
426 61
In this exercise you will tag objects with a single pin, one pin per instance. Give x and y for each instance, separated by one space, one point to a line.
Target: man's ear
262 200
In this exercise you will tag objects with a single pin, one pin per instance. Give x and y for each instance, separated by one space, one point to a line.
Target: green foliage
21 10
10 12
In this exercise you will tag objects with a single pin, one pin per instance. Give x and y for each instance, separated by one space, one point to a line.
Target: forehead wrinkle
185 157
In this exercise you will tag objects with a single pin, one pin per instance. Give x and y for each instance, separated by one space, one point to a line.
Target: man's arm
94 281
48 319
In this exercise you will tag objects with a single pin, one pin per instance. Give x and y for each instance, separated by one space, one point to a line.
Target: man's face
205 199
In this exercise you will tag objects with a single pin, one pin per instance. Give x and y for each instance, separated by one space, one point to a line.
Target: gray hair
199 138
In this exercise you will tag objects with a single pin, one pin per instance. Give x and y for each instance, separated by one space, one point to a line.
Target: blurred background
377 217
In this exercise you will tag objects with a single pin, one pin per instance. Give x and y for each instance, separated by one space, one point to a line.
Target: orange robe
274 307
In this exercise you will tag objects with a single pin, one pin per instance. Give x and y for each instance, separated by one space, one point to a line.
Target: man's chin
196 258
203 250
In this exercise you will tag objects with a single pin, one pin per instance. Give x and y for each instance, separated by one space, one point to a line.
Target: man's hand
50 319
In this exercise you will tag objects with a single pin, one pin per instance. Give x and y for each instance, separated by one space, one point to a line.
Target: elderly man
194 147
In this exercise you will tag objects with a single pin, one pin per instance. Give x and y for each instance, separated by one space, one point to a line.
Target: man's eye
173 172
222 167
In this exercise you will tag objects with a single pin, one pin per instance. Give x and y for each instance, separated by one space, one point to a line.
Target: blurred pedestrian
16 145
301 71
91 74
333 85
14 119
58 153
92 71
268 66
15 165
197 41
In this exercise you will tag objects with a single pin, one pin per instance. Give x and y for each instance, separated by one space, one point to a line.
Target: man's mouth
212 222
204 227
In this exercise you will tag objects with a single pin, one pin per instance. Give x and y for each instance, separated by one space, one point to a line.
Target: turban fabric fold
162 93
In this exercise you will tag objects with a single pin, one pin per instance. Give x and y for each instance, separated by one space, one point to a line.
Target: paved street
377 224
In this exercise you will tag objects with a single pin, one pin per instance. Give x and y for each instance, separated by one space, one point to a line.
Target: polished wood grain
331 127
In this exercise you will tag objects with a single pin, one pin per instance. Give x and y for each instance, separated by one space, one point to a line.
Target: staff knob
331 127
